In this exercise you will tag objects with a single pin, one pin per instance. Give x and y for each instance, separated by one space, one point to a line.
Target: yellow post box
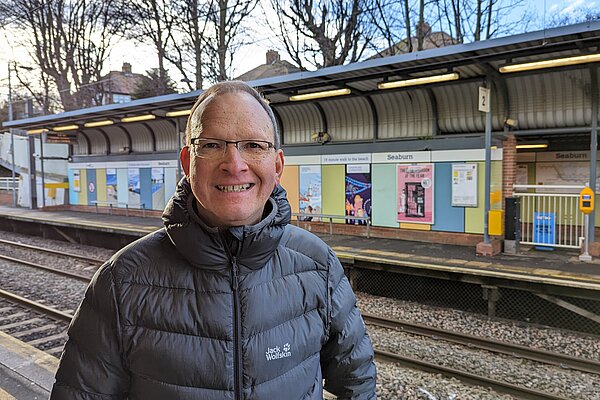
495 219
586 200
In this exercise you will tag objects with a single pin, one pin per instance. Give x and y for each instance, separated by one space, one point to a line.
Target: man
228 301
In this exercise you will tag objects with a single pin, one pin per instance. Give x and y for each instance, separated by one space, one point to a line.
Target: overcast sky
245 59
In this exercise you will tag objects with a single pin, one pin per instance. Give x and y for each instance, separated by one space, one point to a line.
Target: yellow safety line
29 352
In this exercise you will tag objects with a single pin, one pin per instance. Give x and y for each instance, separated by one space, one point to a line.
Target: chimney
126 68
272 57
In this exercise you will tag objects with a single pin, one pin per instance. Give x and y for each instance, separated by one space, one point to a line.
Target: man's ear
279 164
184 156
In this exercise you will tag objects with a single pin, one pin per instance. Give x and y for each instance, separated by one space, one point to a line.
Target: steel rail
544 356
52 312
49 269
499 386
51 251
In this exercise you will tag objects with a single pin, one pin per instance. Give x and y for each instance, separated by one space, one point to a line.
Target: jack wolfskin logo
276 352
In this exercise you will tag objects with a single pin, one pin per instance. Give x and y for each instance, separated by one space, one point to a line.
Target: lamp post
12 139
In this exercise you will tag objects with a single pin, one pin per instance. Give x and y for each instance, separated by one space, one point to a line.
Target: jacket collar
205 247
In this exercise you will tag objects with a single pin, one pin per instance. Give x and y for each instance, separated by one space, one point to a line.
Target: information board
464 185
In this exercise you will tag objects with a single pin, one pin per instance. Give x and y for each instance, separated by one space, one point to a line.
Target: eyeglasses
214 149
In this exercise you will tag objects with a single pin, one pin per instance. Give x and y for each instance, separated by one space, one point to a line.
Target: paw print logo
286 347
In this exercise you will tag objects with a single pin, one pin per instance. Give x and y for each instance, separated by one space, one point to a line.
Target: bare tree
323 33
69 40
151 22
225 34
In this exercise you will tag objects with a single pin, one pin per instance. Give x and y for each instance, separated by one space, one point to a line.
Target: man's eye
254 146
211 145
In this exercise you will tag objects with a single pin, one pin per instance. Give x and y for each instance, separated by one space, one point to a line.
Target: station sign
59 137
402 157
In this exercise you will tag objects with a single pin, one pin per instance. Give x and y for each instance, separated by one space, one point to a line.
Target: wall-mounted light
556 62
452 76
320 95
320 137
63 128
137 118
179 113
36 131
95 124
533 145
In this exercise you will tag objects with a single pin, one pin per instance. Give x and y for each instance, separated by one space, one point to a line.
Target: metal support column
593 144
42 169
32 173
488 167
178 135
12 139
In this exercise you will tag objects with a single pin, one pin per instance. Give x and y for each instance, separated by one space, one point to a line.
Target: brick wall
509 165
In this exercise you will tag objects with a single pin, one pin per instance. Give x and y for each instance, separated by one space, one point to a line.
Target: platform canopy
382 99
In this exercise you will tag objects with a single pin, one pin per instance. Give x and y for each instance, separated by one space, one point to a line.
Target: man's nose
233 160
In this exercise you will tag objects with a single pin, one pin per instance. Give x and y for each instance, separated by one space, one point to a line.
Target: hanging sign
484 99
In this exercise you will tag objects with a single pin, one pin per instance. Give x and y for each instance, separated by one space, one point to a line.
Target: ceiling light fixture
65 128
320 95
556 62
452 76
36 131
138 118
98 123
179 113
540 145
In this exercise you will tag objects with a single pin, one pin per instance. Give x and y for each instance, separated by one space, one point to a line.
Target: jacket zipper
237 331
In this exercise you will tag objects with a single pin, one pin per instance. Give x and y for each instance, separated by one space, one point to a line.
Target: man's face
232 191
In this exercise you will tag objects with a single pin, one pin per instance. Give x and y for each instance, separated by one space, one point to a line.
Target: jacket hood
206 247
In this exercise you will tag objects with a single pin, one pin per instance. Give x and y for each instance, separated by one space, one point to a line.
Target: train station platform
25 372
560 266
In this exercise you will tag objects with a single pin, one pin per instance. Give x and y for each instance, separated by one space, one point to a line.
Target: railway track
564 361
91 260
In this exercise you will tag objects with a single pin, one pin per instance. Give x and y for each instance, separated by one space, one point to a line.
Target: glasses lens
254 149
209 148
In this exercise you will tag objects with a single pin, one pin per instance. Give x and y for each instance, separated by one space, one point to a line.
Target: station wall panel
290 180
91 187
83 198
73 195
122 187
146 187
334 190
447 217
101 184
170 183
384 210
474 215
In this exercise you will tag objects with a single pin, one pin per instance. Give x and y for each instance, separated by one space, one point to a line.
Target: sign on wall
76 181
310 189
464 185
358 192
415 193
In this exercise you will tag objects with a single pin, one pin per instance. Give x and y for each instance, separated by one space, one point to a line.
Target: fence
550 215
8 183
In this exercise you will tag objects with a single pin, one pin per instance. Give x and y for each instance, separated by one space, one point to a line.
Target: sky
142 57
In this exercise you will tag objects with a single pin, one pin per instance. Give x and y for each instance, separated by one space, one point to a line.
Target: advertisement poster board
133 175
415 193
158 188
358 192
76 184
310 189
111 185
464 185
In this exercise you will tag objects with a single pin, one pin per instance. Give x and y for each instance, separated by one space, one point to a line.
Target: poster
76 180
310 190
522 176
358 192
133 182
111 185
158 188
464 185
415 193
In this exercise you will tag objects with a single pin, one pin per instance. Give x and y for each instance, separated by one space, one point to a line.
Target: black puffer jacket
190 312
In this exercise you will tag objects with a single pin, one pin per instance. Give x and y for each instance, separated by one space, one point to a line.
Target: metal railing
313 217
551 218
8 183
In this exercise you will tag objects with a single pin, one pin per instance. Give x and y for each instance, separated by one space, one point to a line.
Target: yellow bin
495 225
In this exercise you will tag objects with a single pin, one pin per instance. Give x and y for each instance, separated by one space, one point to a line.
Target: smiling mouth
235 188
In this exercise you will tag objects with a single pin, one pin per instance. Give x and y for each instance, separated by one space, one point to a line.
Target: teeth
234 188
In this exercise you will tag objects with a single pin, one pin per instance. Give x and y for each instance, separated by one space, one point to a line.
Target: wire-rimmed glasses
213 149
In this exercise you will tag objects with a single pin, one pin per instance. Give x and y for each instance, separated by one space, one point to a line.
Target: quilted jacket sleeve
91 367
347 357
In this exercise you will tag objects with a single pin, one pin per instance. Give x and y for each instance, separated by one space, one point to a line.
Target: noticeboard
544 230
464 185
